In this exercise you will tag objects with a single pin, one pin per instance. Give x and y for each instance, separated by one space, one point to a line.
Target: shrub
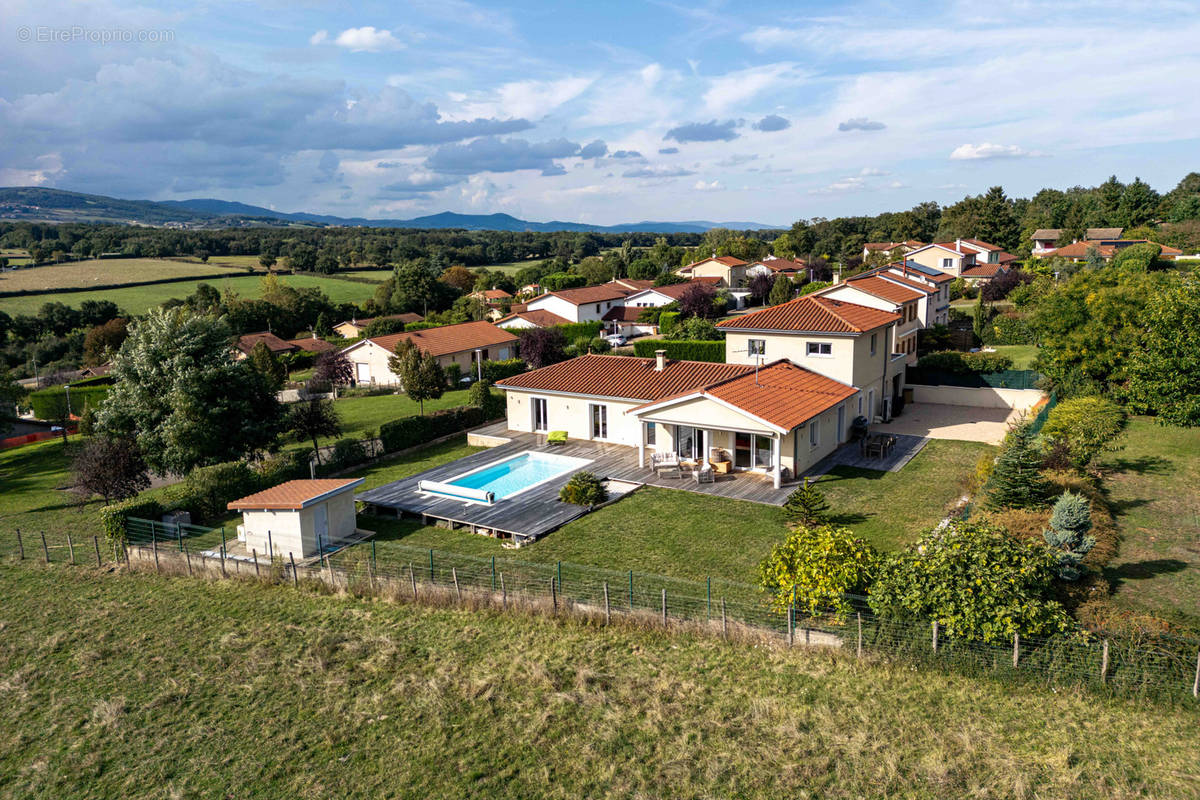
696 329
454 374
681 351
1086 426
975 580
346 453
113 517
818 567
667 321
52 402
407 432
1136 257
583 489
961 363
499 370
1010 328
574 330
207 490
806 506
482 397
1070 522
557 281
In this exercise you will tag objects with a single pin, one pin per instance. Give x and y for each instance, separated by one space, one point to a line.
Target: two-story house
730 271
894 295
970 259
893 249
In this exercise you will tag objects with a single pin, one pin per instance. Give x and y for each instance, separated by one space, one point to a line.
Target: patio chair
660 461
703 474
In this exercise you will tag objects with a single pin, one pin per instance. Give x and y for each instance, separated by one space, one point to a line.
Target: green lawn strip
1021 354
139 299
1154 495
140 687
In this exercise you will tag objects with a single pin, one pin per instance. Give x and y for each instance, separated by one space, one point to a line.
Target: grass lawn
82 274
512 267
362 414
145 687
34 498
689 535
139 299
1021 354
241 262
1153 491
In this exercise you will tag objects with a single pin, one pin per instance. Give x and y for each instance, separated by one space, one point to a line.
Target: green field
377 275
104 272
512 267
139 299
241 262
135 686
1153 492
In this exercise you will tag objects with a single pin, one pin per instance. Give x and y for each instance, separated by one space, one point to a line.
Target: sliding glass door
540 418
689 443
751 451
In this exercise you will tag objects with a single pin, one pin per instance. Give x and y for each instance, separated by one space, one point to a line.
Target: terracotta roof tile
492 294
728 261
449 338
622 376
780 265
247 342
313 345
812 314
538 316
293 494
885 289
590 294
911 281
1047 233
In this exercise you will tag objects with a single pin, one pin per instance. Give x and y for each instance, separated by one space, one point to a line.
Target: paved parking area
965 423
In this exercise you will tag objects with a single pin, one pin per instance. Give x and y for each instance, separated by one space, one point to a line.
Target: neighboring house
313 344
530 319
936 309
298 519
246 343
970 259
450 344
848 342
1045 239
585 304
891 248
779 419
730 271
1106 249
624 319
1098 234
354 328
894 295
986 253
775 266
493 298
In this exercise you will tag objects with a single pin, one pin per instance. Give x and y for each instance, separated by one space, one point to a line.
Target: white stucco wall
573 415
376 360
1019 399
294 531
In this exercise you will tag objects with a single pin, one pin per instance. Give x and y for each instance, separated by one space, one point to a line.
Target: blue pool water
516 474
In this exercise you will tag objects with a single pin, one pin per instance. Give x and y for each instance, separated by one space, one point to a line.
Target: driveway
965 423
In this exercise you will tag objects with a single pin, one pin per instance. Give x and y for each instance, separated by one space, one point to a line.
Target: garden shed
301 517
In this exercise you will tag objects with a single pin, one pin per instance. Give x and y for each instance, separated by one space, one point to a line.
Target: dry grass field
106 272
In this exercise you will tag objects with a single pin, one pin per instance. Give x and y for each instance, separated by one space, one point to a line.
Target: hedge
48 403
682 350
667 321
575 330
557 281
407 432
965 363
206 491
112 517
498 370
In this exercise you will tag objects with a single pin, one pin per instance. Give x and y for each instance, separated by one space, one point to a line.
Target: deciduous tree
421 377
816 567
111 468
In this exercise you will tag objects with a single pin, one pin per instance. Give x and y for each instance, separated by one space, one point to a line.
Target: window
650 433
597 308
874 340
689 443
814 433
758 347
820 349
947 263
599 422
540 417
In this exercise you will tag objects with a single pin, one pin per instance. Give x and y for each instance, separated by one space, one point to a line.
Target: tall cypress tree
1016 480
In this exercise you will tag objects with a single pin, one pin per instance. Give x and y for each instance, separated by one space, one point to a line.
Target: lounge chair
556 437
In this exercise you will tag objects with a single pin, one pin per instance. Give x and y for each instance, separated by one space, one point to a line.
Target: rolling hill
56 205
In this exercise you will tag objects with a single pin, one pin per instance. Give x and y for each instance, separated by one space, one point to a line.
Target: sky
602 112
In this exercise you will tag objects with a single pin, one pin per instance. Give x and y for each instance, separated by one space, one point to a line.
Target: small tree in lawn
312 418
816 567
806 506
781 290
481 396
1070 522
697 301
332 369
111 468
421 377
1016 480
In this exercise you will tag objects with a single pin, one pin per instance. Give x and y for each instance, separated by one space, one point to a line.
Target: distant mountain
57 205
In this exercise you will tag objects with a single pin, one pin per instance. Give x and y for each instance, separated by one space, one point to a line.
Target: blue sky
605 112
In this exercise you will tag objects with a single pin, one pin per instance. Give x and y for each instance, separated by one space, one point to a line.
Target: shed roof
294 495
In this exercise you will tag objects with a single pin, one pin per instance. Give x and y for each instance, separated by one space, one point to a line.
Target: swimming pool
505 478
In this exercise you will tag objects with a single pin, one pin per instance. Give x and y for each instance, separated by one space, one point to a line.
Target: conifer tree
1016 480
1068 534
806 506
781 290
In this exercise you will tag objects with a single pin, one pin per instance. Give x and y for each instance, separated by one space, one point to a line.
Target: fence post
631 590
412 576
607 611
179 535
791 621
708 596
554 593
559 567
224 573
724 624
1104 663
187 554
270 546
20 546
493 573
859 615
454 576
503 593
374 563
1016 649
371 570
45 549
664 607
96 544
329 569
935 636
1196 682
71 548
295 574
431 578
254 555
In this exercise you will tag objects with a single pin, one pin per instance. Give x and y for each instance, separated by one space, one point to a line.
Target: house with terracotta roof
1106 249
586 303
1045 239
851 343
463 344
524 318
312 344
730 271
245 344
896 295
353 328
298 519
895 249
772 265
776 418
970 259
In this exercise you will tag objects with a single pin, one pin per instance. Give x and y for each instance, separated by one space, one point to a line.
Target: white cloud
971 152
766 38
710 186
366 39
532 99
734 88
319 37
873 172
850 184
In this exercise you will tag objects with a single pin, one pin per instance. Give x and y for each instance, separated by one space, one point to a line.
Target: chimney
958 244
660 360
